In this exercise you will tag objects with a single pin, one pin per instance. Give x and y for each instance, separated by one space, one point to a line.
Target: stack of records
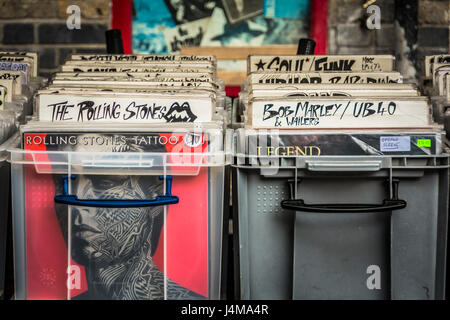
436 84
352 105
18 82
121 133
135 88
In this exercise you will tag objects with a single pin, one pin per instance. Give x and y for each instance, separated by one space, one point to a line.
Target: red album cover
116 253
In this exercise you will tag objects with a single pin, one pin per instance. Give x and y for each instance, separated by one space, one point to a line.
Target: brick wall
40 25
348 33
434 26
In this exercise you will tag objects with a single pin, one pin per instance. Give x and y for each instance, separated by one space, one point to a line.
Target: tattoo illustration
116 245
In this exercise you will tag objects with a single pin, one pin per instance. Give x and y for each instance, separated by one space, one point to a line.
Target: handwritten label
329 77
74 108
135 81
2 98
15 66
395 144
339 113
136 75
116 69
143 57
320 63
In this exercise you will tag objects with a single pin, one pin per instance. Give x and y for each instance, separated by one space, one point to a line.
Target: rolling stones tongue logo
179 113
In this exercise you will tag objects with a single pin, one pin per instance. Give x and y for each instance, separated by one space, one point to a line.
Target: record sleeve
148 253
346 143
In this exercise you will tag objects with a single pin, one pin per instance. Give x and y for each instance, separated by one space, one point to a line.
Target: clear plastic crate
118 225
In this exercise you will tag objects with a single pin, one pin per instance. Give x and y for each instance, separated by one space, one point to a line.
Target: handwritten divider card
430 60
440 83
107 64
142 86
137 75
143 58
332 92
17 66
339 112
447 86
132 68
21 59
9 86
135 81
164 91
311 63
153 108
325 77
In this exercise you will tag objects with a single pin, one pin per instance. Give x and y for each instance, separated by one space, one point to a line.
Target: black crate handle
388 205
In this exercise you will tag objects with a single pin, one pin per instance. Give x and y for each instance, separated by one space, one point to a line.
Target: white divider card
143 58
17 76
30 54
322 63
17 66
21 59
8 86
447 85
430 60
2 98
142 86
340 112
201 93
135 81
439 77
89 108
331 92
435 67
138 85
137 75
131 68
325 77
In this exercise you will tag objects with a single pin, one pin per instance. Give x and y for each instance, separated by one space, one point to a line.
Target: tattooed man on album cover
116 245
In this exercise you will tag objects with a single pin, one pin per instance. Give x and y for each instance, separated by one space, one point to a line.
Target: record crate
121 223
310 226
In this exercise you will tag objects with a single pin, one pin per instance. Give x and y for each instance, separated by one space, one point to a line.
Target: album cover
77 252
340 144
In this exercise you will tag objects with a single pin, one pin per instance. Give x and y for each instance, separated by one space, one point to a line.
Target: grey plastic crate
293 254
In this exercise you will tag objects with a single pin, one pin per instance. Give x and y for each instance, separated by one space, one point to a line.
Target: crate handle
344 166
160 200
388 205
300 205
